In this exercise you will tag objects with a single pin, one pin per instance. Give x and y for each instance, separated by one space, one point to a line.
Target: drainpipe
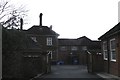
0 51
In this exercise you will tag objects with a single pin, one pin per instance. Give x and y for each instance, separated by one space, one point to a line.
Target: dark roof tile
114 30
41 30
80 41
67 42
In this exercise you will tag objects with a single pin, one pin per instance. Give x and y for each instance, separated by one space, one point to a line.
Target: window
49 41
84 48
105 50
34 39
74 48
63 48
112 50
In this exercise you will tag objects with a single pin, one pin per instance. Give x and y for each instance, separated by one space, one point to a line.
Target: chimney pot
21 24
51 27
40 19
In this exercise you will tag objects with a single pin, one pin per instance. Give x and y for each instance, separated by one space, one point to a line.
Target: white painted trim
112 50
113 60
104 51
0 51
49 39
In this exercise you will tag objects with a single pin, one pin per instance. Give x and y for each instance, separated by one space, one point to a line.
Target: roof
30 44
84 41
95 45
80 41
41 30
112 31
17 40
67 42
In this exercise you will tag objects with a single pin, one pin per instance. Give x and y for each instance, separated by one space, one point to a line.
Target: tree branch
3 8
10 16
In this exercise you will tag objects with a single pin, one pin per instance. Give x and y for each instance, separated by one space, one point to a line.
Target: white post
0 51
119 11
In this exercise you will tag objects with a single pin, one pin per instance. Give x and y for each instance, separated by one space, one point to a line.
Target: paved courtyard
69 71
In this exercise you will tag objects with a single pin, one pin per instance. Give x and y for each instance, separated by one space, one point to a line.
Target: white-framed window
74 48
34 39
49 41
113 50
105 55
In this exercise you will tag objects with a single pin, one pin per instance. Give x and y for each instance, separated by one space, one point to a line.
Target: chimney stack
21 24
51 27
40 19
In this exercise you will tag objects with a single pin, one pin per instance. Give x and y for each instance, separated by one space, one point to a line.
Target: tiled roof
95 45
17 40
41 30
80 41
67 42
84 41
114 30
31 46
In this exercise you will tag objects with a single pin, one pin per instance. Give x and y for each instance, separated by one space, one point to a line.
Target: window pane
49 41
113 44
113 55
105 45
84 48
74 48
106 54
105 50
112 49
63 48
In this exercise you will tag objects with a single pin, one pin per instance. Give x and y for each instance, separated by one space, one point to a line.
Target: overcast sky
73 18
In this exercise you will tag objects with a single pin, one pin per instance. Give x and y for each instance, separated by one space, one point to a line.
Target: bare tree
10 14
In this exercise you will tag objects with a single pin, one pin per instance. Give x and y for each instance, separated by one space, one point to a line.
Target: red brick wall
105 65
42 40
118 51
114 67
65 55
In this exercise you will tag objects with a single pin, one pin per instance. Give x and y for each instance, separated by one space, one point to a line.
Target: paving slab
70 72
108 76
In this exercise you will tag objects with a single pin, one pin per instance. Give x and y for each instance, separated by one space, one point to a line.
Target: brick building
73 51
110 42
27 53
45 37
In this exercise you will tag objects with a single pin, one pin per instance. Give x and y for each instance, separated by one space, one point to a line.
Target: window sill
113 60
105 59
